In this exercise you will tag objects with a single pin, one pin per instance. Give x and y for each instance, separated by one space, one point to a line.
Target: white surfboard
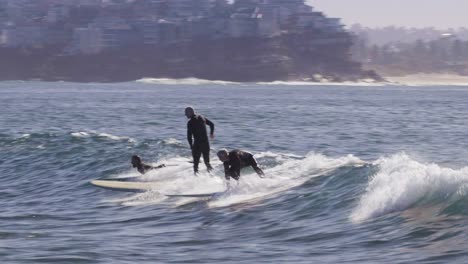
130 186
125 186
195 195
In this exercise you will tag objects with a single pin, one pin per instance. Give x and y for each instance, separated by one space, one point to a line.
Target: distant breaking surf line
183 81
196 81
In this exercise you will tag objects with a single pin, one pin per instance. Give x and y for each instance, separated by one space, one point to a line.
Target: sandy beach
429 79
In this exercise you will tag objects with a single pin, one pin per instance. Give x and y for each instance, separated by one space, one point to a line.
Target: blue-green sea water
354 174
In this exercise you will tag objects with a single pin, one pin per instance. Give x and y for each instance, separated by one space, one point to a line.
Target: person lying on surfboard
142 167
235 160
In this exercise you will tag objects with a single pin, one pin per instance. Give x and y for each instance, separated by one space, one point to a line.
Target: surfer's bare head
223 155
189 112
136 161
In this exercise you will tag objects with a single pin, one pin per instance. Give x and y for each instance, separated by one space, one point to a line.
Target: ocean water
354 174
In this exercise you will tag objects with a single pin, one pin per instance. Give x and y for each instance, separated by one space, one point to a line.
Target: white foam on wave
117 138
196 81
402 181
80 134
172 141
84 134
288 174
176 178
184 81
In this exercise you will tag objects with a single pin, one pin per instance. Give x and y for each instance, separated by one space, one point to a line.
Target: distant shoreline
429 79
432 79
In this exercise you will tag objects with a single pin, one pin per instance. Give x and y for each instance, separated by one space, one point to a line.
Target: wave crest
184 81
83 134
282 173
402 182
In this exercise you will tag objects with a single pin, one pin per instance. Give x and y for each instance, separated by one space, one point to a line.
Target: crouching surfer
235 160
142 167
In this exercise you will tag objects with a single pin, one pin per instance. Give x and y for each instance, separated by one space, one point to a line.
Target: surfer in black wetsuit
196 131
235 160
142 167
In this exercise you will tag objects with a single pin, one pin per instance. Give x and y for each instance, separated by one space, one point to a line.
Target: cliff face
286 57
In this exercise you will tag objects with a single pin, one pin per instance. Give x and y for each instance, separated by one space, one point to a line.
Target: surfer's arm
209 123
252 162
146 168
189 134
226 170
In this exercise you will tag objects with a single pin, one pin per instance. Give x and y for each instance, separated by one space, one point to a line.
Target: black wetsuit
237 160
143 168
196 128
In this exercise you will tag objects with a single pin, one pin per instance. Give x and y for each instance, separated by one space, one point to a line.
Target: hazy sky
411 13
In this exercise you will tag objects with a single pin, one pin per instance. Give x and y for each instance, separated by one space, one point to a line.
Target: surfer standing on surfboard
198 139
142 167
235 160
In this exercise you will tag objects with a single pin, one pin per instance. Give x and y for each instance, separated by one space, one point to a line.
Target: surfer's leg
196 154
206 156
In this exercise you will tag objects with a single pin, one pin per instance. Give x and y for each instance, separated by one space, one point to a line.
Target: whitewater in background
416 80
360 173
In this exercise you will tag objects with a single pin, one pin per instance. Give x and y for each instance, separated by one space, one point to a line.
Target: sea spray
282 175
402 182
183 81
101 135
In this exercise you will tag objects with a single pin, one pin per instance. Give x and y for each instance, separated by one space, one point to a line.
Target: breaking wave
196 81
83 134
402 183
282 173
184 81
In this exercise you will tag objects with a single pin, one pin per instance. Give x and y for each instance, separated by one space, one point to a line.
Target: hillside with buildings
121 40
401 51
